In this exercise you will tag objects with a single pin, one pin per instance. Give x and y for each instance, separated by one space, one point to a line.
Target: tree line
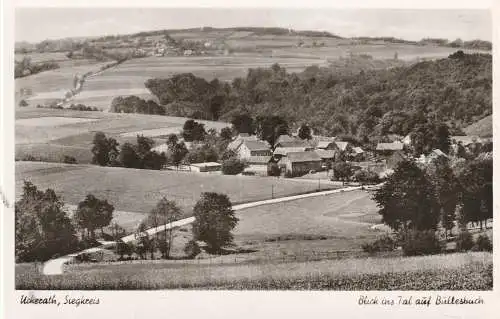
44 229
454 90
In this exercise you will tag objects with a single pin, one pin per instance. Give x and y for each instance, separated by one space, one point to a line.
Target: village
316 157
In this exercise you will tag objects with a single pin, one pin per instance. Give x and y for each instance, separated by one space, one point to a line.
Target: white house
206 167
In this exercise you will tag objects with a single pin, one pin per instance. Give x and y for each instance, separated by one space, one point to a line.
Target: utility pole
272 191
319 184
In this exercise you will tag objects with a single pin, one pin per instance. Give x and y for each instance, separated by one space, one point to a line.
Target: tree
365 176
164 213
476 181
233 166
145 243
226 134
193 131
243 123
305 132
178 153
104 149
129 157
172 140
93 213
343 171
214 220
407 199
43 228
269 128
446 191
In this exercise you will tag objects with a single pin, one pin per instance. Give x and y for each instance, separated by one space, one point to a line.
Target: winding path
56 266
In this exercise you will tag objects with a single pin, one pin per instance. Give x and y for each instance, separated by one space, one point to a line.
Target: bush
233 166
483 243
192 249
464 241
383 243
69 159
23 103
417 243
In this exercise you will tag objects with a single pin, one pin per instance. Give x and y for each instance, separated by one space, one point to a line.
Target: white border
204 304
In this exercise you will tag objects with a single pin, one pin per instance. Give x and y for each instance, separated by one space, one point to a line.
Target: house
290 141
206 167
435 154
357 154
162 148
238 140
300 163
252 148
327 157
343 146
387 148
280 152
407 140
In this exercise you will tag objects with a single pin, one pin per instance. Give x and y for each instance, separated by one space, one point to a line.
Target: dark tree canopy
269 128
305 132
214 220
104 150
43 228
93 213
407 200
193 131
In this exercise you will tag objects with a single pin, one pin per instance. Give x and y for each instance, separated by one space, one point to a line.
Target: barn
300 163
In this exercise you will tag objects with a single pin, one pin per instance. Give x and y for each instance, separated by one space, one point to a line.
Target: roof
358 150
342 145
206 164
323 144
285 150
326 153
285 138
438 152
465 140
258 159
394 146
256 145
297 157
238 140
160 148
295 143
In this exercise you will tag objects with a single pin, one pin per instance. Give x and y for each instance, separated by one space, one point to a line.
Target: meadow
52 133
459 271
139 190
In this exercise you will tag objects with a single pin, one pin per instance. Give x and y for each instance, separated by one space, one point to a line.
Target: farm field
53 133
128 78
460 271
51 85
139 190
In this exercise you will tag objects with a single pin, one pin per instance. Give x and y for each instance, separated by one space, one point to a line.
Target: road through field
55 266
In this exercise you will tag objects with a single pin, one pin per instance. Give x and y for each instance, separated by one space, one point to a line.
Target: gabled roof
256 145
323 144
285 150
342 145
358 150
295 143
438 152
394 146
297 157
326 154
238 140
284 138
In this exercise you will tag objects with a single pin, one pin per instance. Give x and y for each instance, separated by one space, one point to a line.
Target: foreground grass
464 271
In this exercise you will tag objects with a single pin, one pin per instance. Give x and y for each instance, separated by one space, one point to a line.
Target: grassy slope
75 139
461 271
139 190
483 127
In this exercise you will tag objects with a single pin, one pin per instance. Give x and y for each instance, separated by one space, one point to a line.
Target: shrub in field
233 166
69 159
383 243
483 243
192 249
417 242
23 103
464 241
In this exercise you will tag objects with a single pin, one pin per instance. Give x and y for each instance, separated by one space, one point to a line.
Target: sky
34 25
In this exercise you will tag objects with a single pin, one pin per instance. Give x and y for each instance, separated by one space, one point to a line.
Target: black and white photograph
252 149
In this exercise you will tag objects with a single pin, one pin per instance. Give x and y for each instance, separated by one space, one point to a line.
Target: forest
456 90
